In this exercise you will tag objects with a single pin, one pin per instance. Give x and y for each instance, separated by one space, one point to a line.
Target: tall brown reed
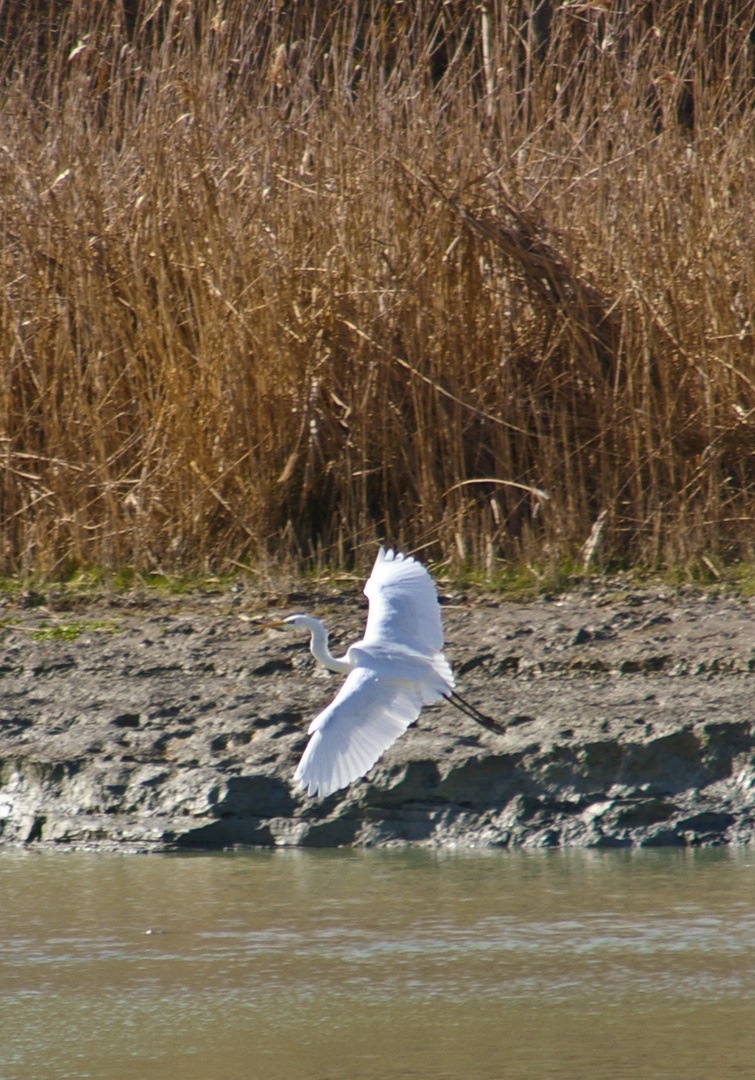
293 279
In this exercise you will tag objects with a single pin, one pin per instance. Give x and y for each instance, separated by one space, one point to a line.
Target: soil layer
148 723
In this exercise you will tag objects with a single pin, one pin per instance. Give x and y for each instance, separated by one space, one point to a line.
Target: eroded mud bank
148 724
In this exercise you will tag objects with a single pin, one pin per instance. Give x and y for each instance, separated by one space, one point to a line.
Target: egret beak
263 624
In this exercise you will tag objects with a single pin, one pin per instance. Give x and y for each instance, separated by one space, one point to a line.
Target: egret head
305 622
318 644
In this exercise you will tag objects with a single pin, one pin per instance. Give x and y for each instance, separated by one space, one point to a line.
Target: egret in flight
395 669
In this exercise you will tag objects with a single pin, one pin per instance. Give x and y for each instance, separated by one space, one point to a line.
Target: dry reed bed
291 283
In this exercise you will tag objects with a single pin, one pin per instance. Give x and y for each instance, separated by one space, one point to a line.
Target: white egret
395 669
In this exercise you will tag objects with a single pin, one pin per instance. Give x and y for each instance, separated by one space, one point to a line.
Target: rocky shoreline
155 724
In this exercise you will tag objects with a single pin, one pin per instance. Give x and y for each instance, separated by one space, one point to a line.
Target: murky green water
346 965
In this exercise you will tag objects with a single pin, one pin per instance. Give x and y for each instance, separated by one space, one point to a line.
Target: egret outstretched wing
395 669
366 716
404 607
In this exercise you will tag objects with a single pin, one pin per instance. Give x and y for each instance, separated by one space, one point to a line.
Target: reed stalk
295 279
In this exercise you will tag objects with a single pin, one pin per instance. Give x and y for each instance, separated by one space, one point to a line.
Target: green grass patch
69 631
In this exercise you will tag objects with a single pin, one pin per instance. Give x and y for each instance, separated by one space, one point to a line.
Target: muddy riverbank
146 723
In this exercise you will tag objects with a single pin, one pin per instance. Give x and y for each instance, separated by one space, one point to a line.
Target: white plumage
395 669
404 608
367 715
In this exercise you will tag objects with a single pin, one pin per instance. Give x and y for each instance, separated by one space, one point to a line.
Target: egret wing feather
366 716
404 605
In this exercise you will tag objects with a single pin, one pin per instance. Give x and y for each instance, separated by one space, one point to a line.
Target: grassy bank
472 282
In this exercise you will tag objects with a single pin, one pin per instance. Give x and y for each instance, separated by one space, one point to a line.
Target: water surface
330 965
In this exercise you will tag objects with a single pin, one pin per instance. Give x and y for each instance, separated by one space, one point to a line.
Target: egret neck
318 644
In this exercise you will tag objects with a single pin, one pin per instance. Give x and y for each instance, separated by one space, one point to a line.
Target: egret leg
474 714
